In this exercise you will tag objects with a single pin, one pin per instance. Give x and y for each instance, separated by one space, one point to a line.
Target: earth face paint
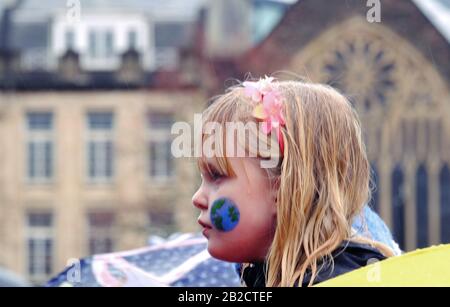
224 214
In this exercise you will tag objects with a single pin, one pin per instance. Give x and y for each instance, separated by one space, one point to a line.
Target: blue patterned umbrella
182 261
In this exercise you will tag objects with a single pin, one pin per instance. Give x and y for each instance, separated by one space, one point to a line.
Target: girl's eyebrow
210 163
206 167
212 166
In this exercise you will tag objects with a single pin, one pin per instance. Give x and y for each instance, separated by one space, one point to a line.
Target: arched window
422 206
444 183
398 205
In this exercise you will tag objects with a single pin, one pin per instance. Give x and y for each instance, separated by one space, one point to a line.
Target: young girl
290 222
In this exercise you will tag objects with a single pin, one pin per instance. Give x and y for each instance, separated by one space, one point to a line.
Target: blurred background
89 90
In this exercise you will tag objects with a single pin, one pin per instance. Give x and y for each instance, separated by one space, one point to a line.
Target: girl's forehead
223 145
208 164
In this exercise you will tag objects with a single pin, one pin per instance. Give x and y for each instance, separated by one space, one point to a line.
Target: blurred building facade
86 114
100 31
88 172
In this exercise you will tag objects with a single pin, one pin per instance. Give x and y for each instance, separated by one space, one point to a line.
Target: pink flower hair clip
268 103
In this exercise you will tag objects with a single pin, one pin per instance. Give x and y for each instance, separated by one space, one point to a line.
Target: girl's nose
199 200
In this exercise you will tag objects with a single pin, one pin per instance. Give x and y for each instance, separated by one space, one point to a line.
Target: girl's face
252 194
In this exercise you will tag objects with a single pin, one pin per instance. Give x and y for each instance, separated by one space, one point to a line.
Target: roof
41 9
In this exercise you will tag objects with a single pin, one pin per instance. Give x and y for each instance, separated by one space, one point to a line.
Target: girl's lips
205 232
206 228
203 224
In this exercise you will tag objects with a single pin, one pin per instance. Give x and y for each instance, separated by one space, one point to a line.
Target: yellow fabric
423 267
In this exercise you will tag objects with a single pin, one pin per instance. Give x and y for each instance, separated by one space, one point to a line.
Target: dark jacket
347 257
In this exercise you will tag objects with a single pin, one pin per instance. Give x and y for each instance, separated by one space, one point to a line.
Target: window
40 246
100 147
422 206
39 147
109 44
101 232
70 40
161 164
132 40
101 44
93 45
398 205
444 183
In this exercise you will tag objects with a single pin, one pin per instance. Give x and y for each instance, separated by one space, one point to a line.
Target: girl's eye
214 176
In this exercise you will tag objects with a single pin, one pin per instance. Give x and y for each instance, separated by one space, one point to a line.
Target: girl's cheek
224 214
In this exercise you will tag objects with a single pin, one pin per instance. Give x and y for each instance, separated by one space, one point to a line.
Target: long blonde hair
322 180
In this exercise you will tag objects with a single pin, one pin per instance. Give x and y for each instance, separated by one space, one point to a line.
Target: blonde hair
322 179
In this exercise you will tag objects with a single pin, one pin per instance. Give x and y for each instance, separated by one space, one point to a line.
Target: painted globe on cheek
224 214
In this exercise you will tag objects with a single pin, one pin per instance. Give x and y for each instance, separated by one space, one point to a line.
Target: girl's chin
221 256
220 252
